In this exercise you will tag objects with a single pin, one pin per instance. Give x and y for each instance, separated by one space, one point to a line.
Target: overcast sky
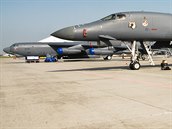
33 20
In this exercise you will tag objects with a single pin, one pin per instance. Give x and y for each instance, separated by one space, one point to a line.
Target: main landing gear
134 65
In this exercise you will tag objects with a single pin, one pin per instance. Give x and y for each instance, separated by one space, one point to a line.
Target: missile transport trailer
30 59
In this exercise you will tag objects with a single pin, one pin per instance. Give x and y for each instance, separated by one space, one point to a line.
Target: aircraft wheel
131 66
108 58
134 66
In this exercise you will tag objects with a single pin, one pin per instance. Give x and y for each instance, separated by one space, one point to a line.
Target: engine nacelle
67 51
99 51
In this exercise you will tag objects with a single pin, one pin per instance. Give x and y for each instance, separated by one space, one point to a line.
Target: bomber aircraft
70 50
127 27
73 50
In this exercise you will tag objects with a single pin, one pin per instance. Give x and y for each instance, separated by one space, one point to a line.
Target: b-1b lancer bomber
127 27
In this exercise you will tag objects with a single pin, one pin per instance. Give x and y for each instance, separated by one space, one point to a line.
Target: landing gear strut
134 65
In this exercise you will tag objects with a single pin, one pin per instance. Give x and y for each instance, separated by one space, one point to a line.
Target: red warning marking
154 29
91 45
84 33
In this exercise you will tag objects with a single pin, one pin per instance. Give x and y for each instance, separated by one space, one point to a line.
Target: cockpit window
110 17
119 16
78 26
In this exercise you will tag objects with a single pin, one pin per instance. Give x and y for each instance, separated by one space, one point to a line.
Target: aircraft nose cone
7 50
66 33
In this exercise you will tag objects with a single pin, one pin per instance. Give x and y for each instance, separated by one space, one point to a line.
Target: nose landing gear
135 65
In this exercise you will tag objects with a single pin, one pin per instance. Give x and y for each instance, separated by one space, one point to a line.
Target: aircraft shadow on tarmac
105 68
21 62
70 60
82 60
92 60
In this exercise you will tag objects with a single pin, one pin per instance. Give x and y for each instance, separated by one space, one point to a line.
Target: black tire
131 66
134 66
105 58
108 58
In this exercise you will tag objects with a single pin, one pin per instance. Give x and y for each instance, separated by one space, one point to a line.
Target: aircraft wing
73 45
72 48
106 39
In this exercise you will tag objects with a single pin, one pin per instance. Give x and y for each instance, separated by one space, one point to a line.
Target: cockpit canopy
14 45
119 16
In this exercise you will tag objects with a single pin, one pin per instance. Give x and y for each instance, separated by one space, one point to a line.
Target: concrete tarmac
88 94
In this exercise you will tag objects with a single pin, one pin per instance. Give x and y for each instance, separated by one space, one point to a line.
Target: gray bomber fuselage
42 49
126 26
32 49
